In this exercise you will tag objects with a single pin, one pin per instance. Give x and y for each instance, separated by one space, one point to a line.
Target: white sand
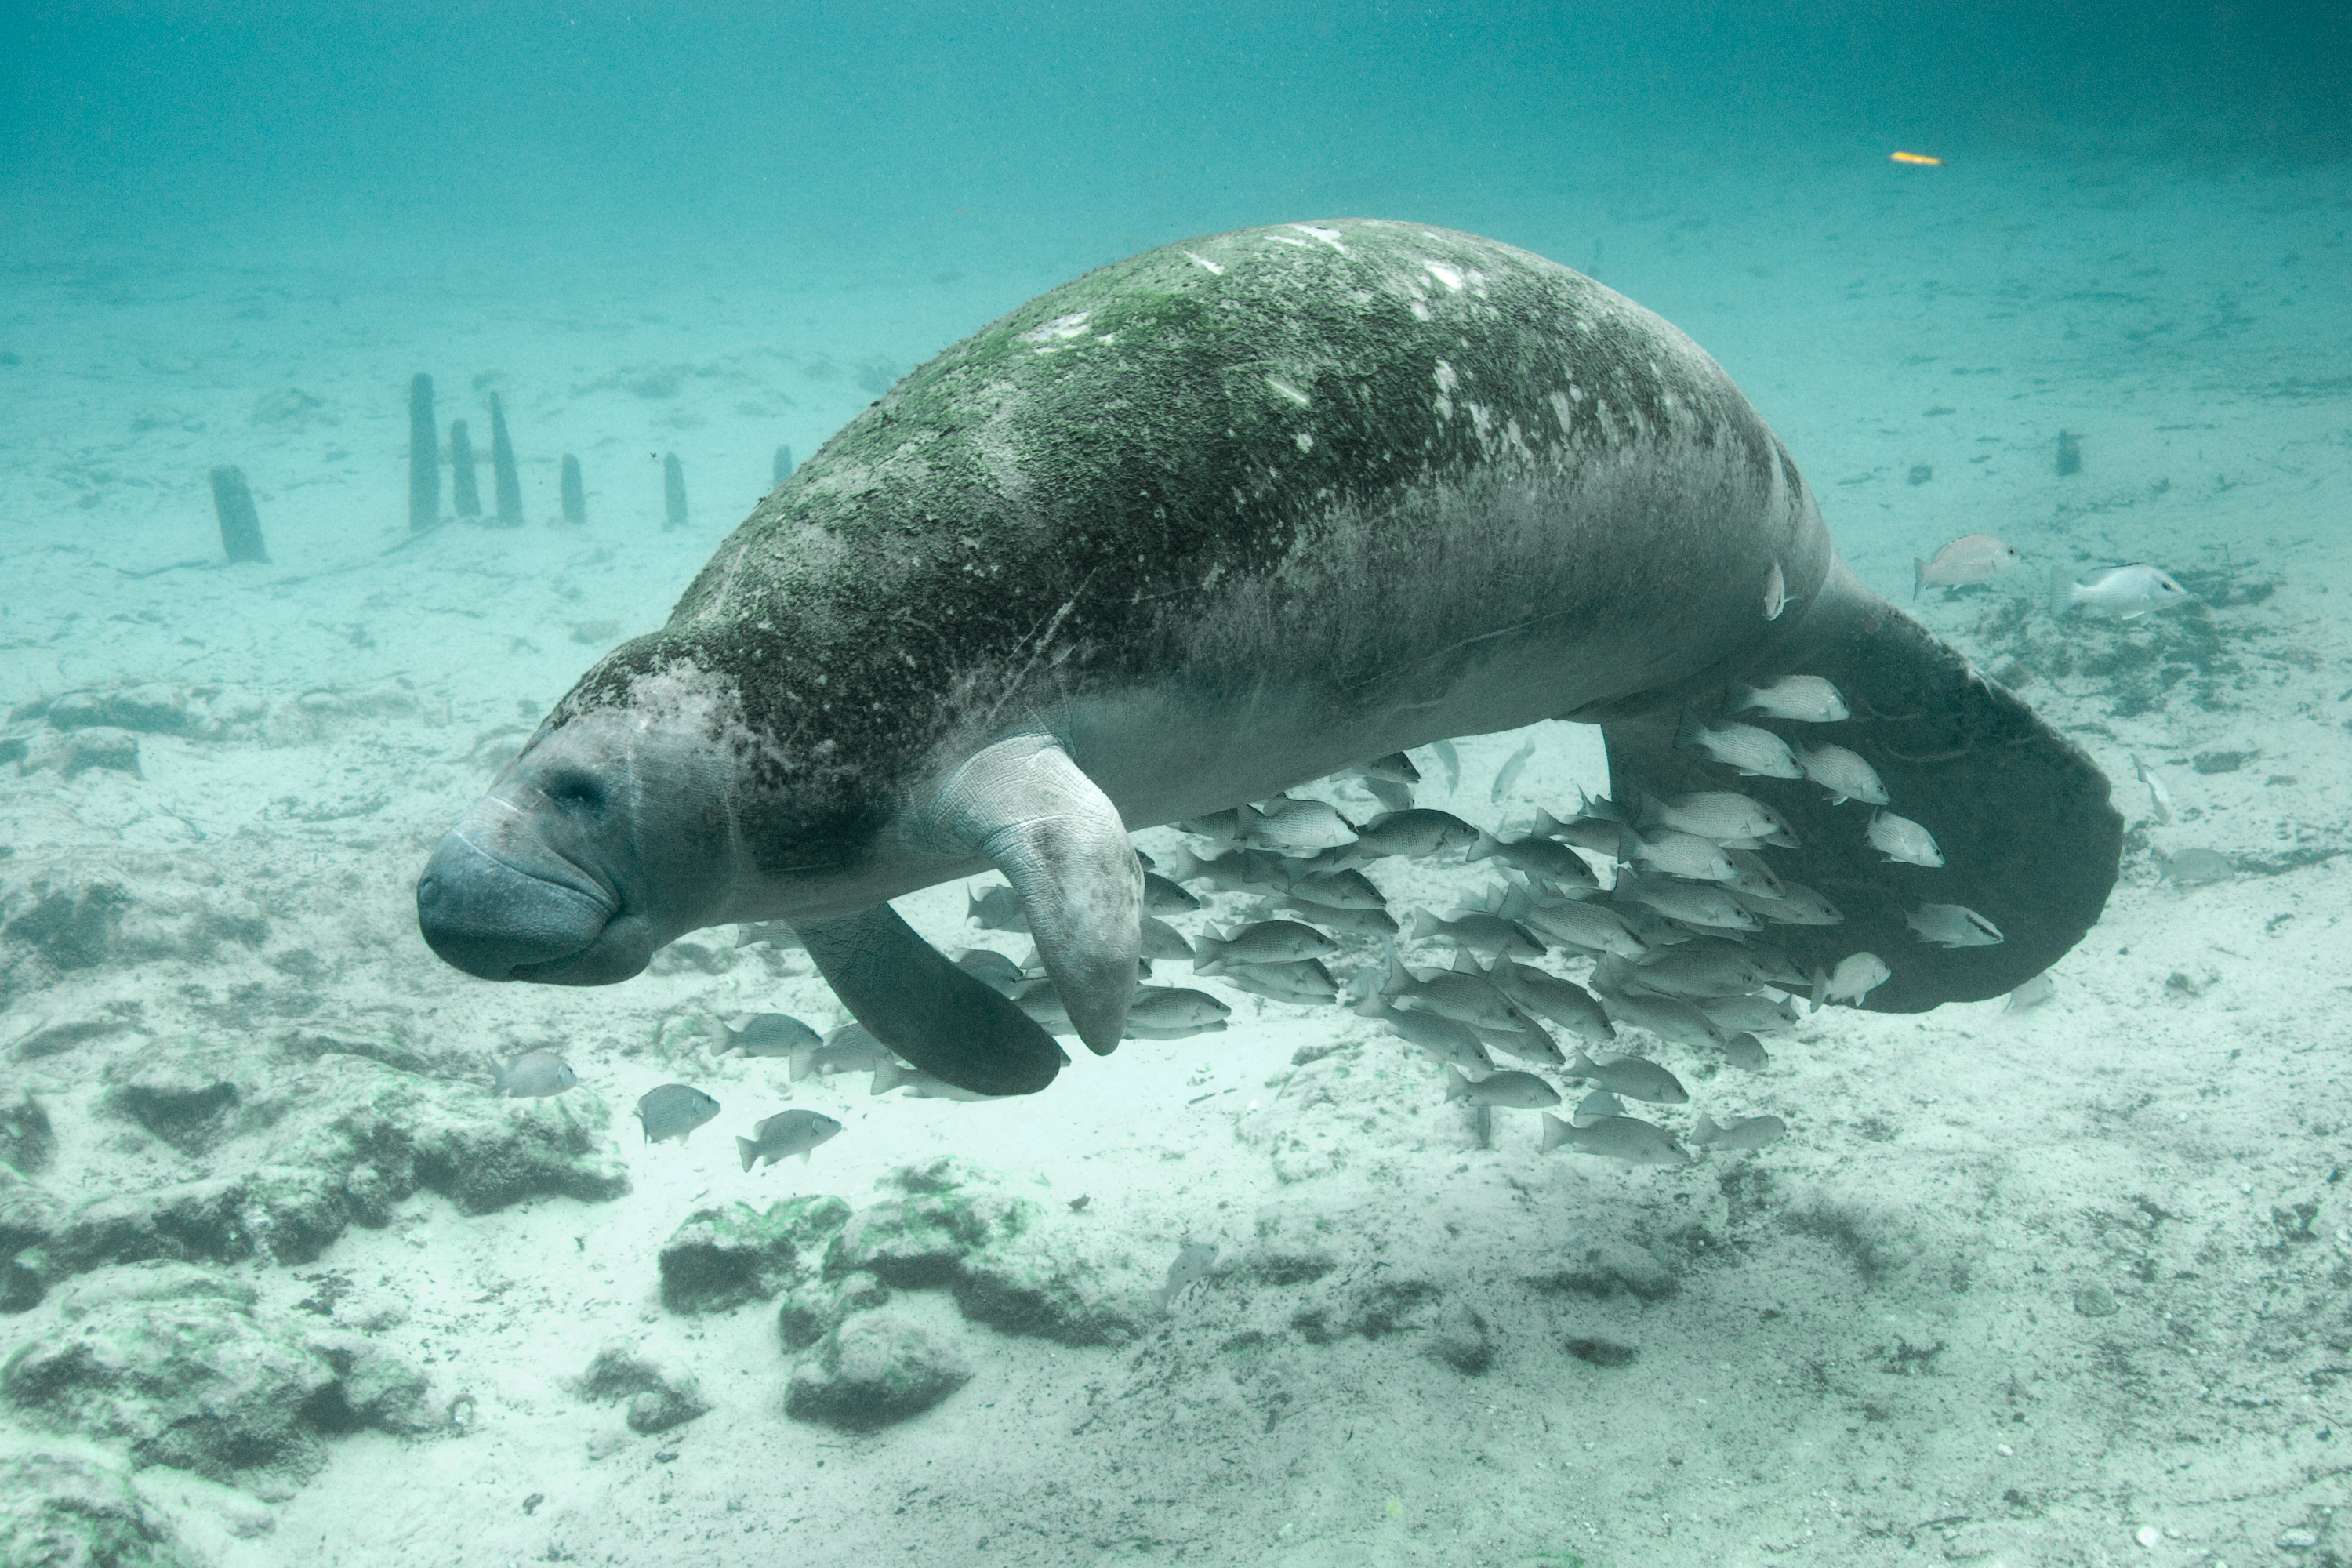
2139 1131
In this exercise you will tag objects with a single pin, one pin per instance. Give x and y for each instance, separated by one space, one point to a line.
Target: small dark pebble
1081 1202
664 1456
1921 473
2218 762
531 1504
1602 1352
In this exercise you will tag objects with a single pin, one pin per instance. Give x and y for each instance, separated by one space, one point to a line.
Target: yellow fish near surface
1920 158
1971 558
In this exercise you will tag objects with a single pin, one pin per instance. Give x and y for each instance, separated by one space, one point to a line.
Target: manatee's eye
574 789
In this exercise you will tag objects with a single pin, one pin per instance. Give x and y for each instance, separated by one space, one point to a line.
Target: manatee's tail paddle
928 1010
2020 812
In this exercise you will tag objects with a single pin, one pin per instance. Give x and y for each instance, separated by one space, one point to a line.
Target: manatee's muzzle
543 920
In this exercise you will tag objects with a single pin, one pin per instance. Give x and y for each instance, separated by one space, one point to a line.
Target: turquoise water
2057 1284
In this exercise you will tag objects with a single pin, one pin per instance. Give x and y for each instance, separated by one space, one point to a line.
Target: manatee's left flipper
1058 839
2021 812
928 1010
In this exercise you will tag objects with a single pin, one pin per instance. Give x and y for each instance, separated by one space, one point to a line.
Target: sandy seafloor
1861 1345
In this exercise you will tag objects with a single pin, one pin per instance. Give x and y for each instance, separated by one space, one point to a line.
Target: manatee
1204 525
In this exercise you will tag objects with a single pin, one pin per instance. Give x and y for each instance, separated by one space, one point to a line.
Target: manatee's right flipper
2021 812
929 1011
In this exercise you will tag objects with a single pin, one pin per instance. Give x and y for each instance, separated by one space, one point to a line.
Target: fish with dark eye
673 1110
850 1048
534 1075
1339 890
1722 816
2119 593
1479 931
1971 558
1411 835
1538 855
1511 1088
1747 750
763 1035
1841 773
1903 839
1301 982
1624 1138
1739 1133
992 969
1952 925
1857 974
791 1133
1173 1013
1266 942
1162 897
1635 1077
1290 827
919 1084
1807 699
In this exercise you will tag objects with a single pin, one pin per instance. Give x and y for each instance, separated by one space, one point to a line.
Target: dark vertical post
783 463
465 497
424 456
673 491
502 468
575 497
240 525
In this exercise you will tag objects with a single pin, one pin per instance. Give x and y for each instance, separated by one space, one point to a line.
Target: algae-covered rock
874 1371
304 1150
77 1509
721 1258
660 1396
172 1359
814 1308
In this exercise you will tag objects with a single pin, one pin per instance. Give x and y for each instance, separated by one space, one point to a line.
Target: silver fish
1845 775
1721 816
1219 827
1162 941
1753 752
1508 773
791 1132
999 909
1449 1042
1797 905
2195 868
1486 933
1696 969
1564 1002
1740 1132
919 1084
1396 768
1266 942
1519 1090
1750 874
1191 1267
1626 1138
1302 982
673 1110
1412 833
1354 922
1857 974
763 1035
1749 1015
1635 1077
1465 998
1162 897
1668 1017
1339 890
1805 698
1971 558
1903 839
2121 592
1295 826
2031 995
1173 1013
1538 855
1595 927
1451 760
991 968
1594 1106
850 1048
1747 1053
1680 855
2160 799
1698 903
1776 593
534 1075
1238 870
1952 925
774 933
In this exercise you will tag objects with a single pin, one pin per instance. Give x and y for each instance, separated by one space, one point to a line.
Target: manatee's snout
498 902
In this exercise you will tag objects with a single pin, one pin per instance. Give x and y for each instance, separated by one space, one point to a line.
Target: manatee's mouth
548 922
